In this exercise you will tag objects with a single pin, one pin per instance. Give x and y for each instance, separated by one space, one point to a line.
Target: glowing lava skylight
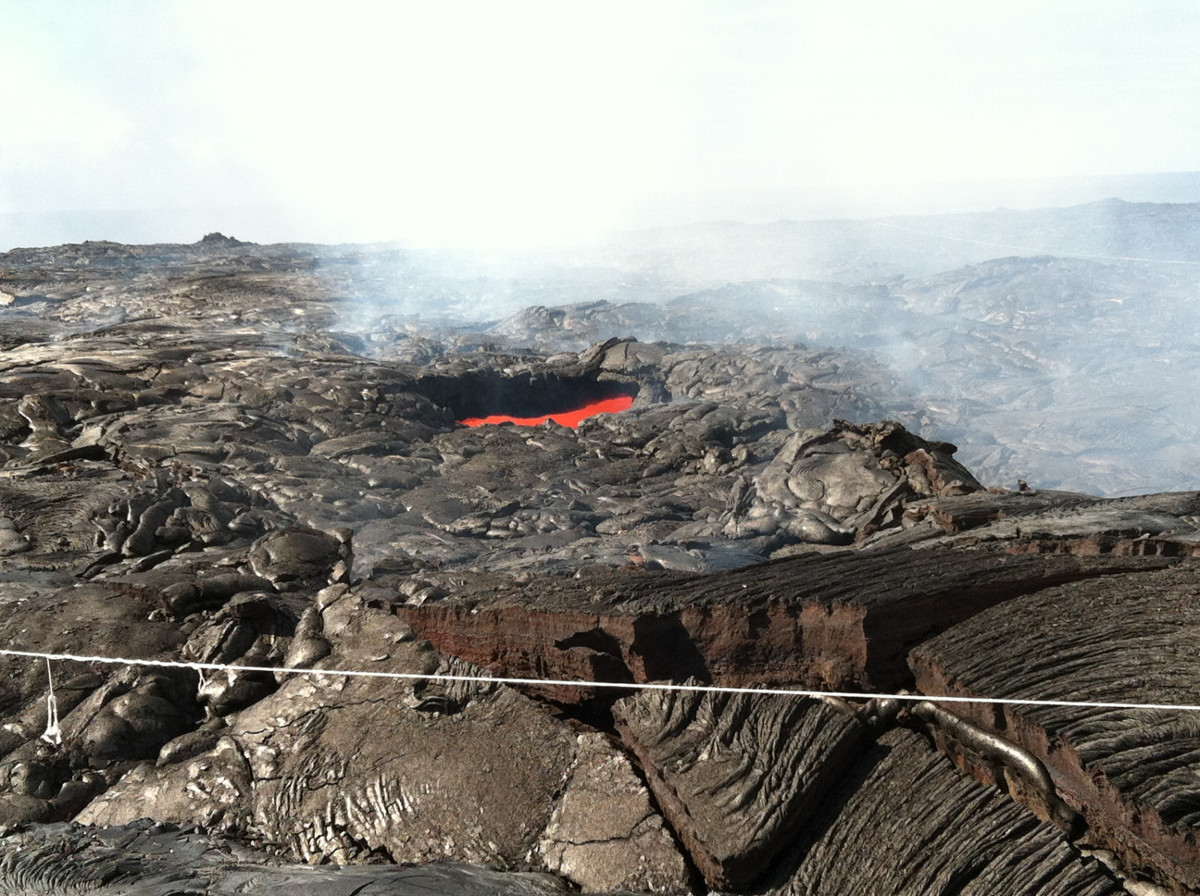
570 418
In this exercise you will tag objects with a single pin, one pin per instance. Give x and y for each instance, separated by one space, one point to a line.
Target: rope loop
53 733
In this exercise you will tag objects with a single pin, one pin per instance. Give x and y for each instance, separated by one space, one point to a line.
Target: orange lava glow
565 418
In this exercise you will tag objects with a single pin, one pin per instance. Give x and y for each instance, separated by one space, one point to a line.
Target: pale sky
513 123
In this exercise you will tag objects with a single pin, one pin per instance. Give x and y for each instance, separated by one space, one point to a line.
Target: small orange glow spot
565 418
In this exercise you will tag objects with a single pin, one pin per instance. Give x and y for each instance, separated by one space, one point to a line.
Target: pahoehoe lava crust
234 454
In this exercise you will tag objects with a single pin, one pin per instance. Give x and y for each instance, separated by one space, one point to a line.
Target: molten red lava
566 418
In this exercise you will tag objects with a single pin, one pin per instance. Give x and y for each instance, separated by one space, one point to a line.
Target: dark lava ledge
840 621
205 461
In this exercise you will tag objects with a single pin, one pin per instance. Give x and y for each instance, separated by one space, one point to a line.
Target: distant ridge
913 245
889 200
300 224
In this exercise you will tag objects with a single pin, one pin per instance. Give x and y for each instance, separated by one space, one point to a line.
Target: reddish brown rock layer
837 621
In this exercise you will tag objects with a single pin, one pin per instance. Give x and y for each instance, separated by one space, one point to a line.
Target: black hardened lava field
308 590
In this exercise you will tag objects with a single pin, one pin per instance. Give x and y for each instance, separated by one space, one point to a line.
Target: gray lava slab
337 769
605 834
906 822
149 859
738 775
1133 774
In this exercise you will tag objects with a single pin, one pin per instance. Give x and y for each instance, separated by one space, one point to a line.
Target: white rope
572 683
52 734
